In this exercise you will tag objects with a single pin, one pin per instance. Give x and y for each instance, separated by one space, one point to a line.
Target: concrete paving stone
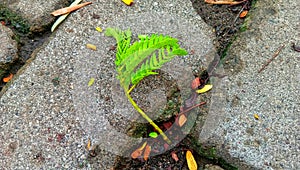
272 141
48 113
37 12
8 49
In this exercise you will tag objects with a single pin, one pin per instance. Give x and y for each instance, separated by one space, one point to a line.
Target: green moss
139 130
225 51
211 154
16 21
244 27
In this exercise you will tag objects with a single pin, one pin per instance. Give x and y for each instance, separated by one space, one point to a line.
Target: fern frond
128 58
140 51
153 63
123 39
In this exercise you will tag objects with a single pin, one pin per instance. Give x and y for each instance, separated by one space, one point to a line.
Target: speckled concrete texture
271 141
48 112
8 49
37 12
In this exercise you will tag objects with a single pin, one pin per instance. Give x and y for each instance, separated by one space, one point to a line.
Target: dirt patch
224 19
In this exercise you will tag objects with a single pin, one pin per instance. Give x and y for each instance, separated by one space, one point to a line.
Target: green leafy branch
139 60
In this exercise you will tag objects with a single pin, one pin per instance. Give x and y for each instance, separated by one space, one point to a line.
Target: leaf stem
145 116
131 88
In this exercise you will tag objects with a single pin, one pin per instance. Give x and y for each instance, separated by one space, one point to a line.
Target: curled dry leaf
63 17
206 88
192 164
138 152
224 2
91 82
88 145
69 9
99 29
91 46
256 116
196 83
8 78
182 119
174 156
147 152
128 2
243 14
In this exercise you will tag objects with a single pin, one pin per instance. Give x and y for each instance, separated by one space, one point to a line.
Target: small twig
271 59
237 16
190 108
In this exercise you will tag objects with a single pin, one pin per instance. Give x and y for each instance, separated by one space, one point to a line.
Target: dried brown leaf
69 9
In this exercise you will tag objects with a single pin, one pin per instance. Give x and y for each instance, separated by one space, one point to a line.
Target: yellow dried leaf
88 145
192 164
128 2
256 116
91 82
206 88
99 29
91 46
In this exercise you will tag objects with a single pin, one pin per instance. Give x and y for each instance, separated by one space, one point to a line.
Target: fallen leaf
153 135
167 125
221 2
256 116
192 164
8 78
88 145
91 46
147 152
69 9
195 83
63 17
91 82
182 119
128 2
99 29
174 156
206 88
243 14
138 152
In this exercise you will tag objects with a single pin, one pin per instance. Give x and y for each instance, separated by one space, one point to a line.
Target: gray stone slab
50 98
8 49
37 12
272 141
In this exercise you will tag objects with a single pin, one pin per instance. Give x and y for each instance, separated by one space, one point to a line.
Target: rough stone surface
48 113
272 141
8 49
37 12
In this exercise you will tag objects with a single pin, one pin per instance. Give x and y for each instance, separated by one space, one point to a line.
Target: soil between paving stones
221 18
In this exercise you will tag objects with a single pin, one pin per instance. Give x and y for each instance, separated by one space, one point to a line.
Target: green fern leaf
161 48
123 42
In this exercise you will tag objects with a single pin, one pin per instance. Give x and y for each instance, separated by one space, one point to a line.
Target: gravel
272 141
